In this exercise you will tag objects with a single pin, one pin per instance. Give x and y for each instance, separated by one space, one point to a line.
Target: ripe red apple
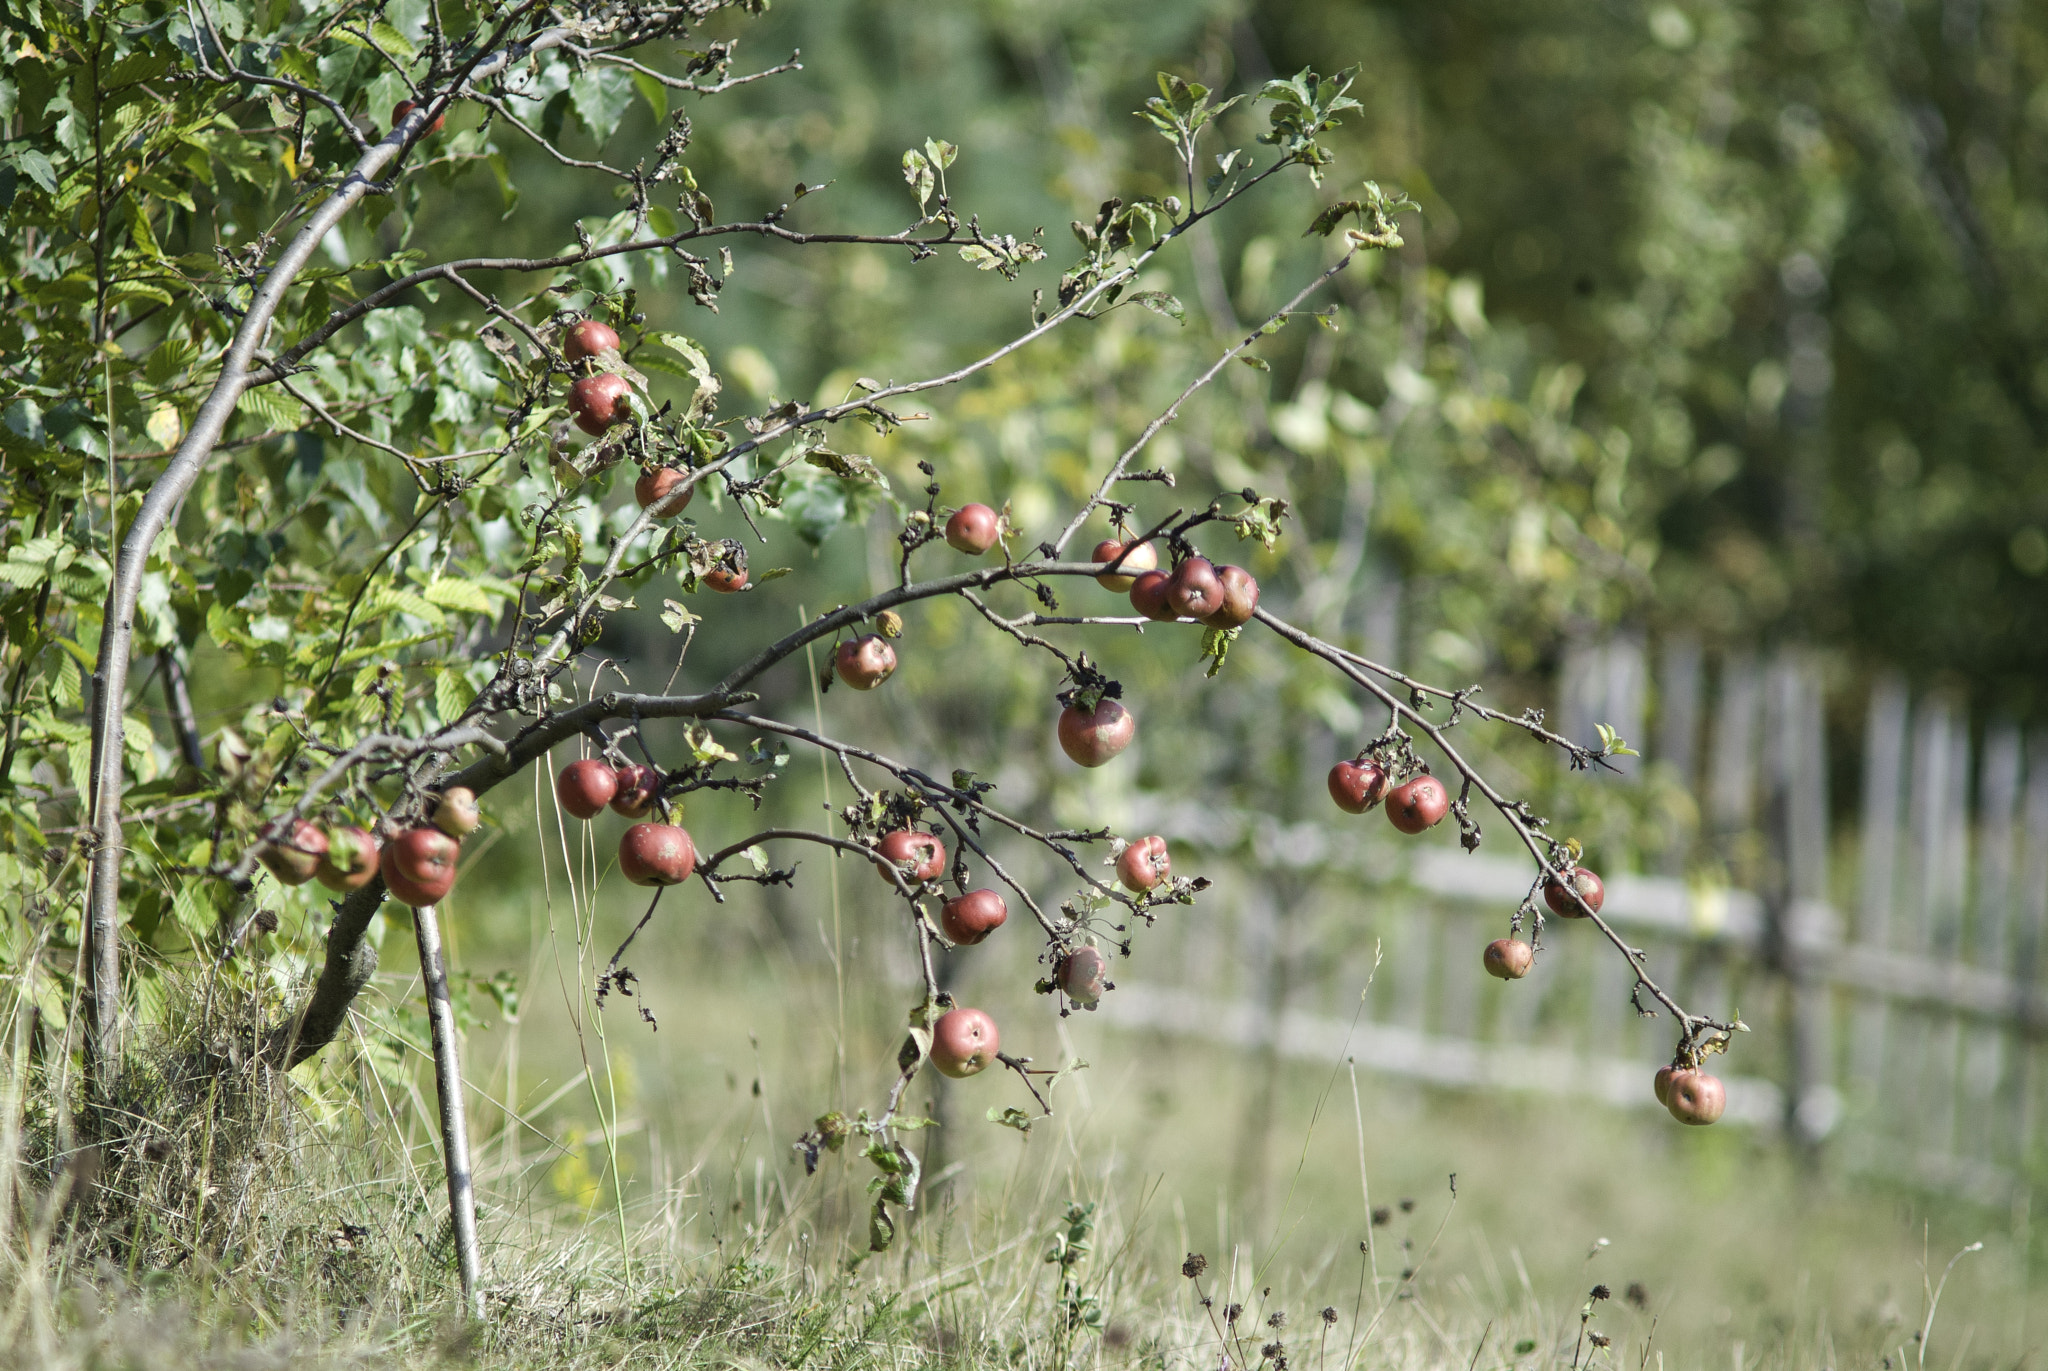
1150 593
1144 557
1240 598
1509 958
912 845
656 854
419 866
350 861
1558 896
405 107
295 857
1093 738
1083 975
637 787
973 529
973 916
600 401
587 338
1144 864
1357 786
864 662
964 1042
1196 591
586 787
654 486
1418 804
456 814
1661 1084
1696 1097
725 580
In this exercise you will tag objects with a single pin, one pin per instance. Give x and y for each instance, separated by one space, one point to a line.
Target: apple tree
261 421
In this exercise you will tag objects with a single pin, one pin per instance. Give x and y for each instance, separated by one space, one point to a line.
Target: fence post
1796 899
2028 947
1677 742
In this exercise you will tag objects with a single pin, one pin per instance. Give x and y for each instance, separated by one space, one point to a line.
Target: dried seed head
1230 1312
1601 1292
1381 1217
1276 1319
1329 1313
1637 1294
1194 1266
1599 1339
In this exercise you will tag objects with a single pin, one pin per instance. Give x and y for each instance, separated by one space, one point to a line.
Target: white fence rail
1893 975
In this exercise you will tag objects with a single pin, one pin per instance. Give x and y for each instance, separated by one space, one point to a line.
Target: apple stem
454 1123
1020 1066
611 969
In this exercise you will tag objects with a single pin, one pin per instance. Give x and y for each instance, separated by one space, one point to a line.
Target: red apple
973 916
1240 598
600 401
588 338
973 529
1419 804
1559 897
1661 1084
637 788
1083 975
912 845
294 858
419 866
1149 595
964 1042
405 107
654 487
1196 591
864 662
1144 864
456 814
586 787
350 861
725 579
1695 1097
1144 557
656 854
1509 958
1093 738
1357 786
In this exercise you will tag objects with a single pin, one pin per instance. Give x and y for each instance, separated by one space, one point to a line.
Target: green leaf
1159 302
37 168
452 592
1255 363
917 174
1009 1116
599 96
654 93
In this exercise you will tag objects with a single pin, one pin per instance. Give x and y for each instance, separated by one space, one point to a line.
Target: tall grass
641 1206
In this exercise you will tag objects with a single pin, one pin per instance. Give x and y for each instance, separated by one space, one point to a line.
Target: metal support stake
454 1126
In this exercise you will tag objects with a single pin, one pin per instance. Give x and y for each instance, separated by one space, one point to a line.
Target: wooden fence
1892 974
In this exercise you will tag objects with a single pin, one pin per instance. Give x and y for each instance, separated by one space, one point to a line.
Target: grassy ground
305 1228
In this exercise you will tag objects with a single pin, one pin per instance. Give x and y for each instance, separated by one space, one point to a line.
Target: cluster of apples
965 1041
1219 596
650 854
1690 1094
418 865
1510 958
602 398
1415 806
